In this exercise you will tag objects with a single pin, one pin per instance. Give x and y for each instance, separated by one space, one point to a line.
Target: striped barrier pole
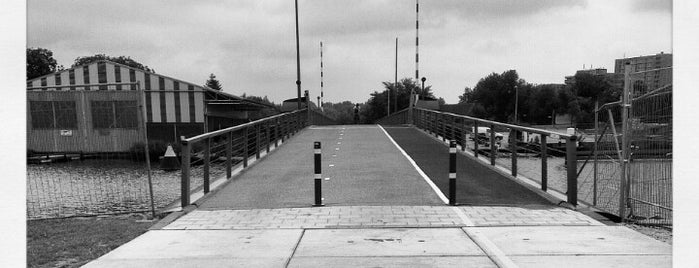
317 176
452 172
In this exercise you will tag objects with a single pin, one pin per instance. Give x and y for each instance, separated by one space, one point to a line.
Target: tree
213 83
40 62
496 94
467 96
587 90
125 60
375 107
342 112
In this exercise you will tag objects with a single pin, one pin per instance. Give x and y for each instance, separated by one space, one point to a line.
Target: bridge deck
363 166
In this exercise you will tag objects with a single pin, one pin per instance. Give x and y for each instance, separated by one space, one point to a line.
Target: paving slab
573 261
205 248
415 242
571 240
398 262
379 216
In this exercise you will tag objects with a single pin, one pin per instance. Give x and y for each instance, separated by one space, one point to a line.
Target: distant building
616 80
103 106
652 71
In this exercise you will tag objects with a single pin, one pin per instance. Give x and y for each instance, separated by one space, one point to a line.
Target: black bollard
317 176
452 172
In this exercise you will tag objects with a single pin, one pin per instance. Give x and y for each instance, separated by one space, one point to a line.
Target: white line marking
490 249
419 171
463 217
331 165
337 149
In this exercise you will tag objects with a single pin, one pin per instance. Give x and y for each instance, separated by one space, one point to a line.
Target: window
114 114
53 114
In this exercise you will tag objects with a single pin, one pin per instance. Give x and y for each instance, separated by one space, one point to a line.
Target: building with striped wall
97 108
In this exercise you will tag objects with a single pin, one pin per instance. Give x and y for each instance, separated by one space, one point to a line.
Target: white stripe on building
155 99
92 70
169 101
111 77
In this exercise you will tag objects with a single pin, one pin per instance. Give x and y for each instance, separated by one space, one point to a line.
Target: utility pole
298 58
417 58
321 75
395 80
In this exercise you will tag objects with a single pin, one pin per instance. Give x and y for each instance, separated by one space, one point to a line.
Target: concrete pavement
263 218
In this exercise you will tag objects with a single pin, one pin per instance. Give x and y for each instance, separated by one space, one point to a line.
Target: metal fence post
207 162
544 164
572 167
184 183
452 172
513 148
317 176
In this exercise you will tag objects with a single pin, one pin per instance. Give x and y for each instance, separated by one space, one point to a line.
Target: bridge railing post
207 164
475 138
246 146
572 168
184 182
452 172
544 164
513 149
493 146
229 154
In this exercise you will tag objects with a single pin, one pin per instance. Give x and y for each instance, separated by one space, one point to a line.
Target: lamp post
423 79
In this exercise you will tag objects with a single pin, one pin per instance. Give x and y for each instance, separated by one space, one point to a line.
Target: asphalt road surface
362 165
476 184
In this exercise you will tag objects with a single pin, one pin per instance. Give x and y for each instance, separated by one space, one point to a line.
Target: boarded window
53 114
114 114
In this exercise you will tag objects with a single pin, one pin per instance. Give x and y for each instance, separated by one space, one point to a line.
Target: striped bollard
317 176
452 172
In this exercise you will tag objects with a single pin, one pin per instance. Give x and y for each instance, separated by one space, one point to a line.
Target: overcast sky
250 45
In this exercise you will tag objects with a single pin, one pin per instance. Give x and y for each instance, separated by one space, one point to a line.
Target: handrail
238 127
527 129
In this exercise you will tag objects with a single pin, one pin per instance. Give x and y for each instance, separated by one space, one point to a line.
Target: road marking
419 170
331 165
339 143
494 253
337 149
463 217
327 179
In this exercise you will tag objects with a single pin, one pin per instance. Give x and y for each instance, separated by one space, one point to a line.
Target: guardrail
523 150
397 118
215 153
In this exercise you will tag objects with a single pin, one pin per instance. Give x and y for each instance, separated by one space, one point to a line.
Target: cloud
652 5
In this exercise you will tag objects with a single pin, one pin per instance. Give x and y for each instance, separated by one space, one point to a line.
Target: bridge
421 188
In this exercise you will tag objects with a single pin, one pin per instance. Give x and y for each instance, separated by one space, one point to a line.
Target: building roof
99 78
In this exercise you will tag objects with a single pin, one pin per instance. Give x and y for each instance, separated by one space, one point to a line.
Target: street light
423 84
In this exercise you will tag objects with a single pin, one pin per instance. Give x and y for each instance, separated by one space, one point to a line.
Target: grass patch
73 242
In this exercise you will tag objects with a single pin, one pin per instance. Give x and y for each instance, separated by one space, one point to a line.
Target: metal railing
214 154
398 118
546 157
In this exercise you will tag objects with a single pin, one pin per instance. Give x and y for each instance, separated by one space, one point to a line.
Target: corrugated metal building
90 108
